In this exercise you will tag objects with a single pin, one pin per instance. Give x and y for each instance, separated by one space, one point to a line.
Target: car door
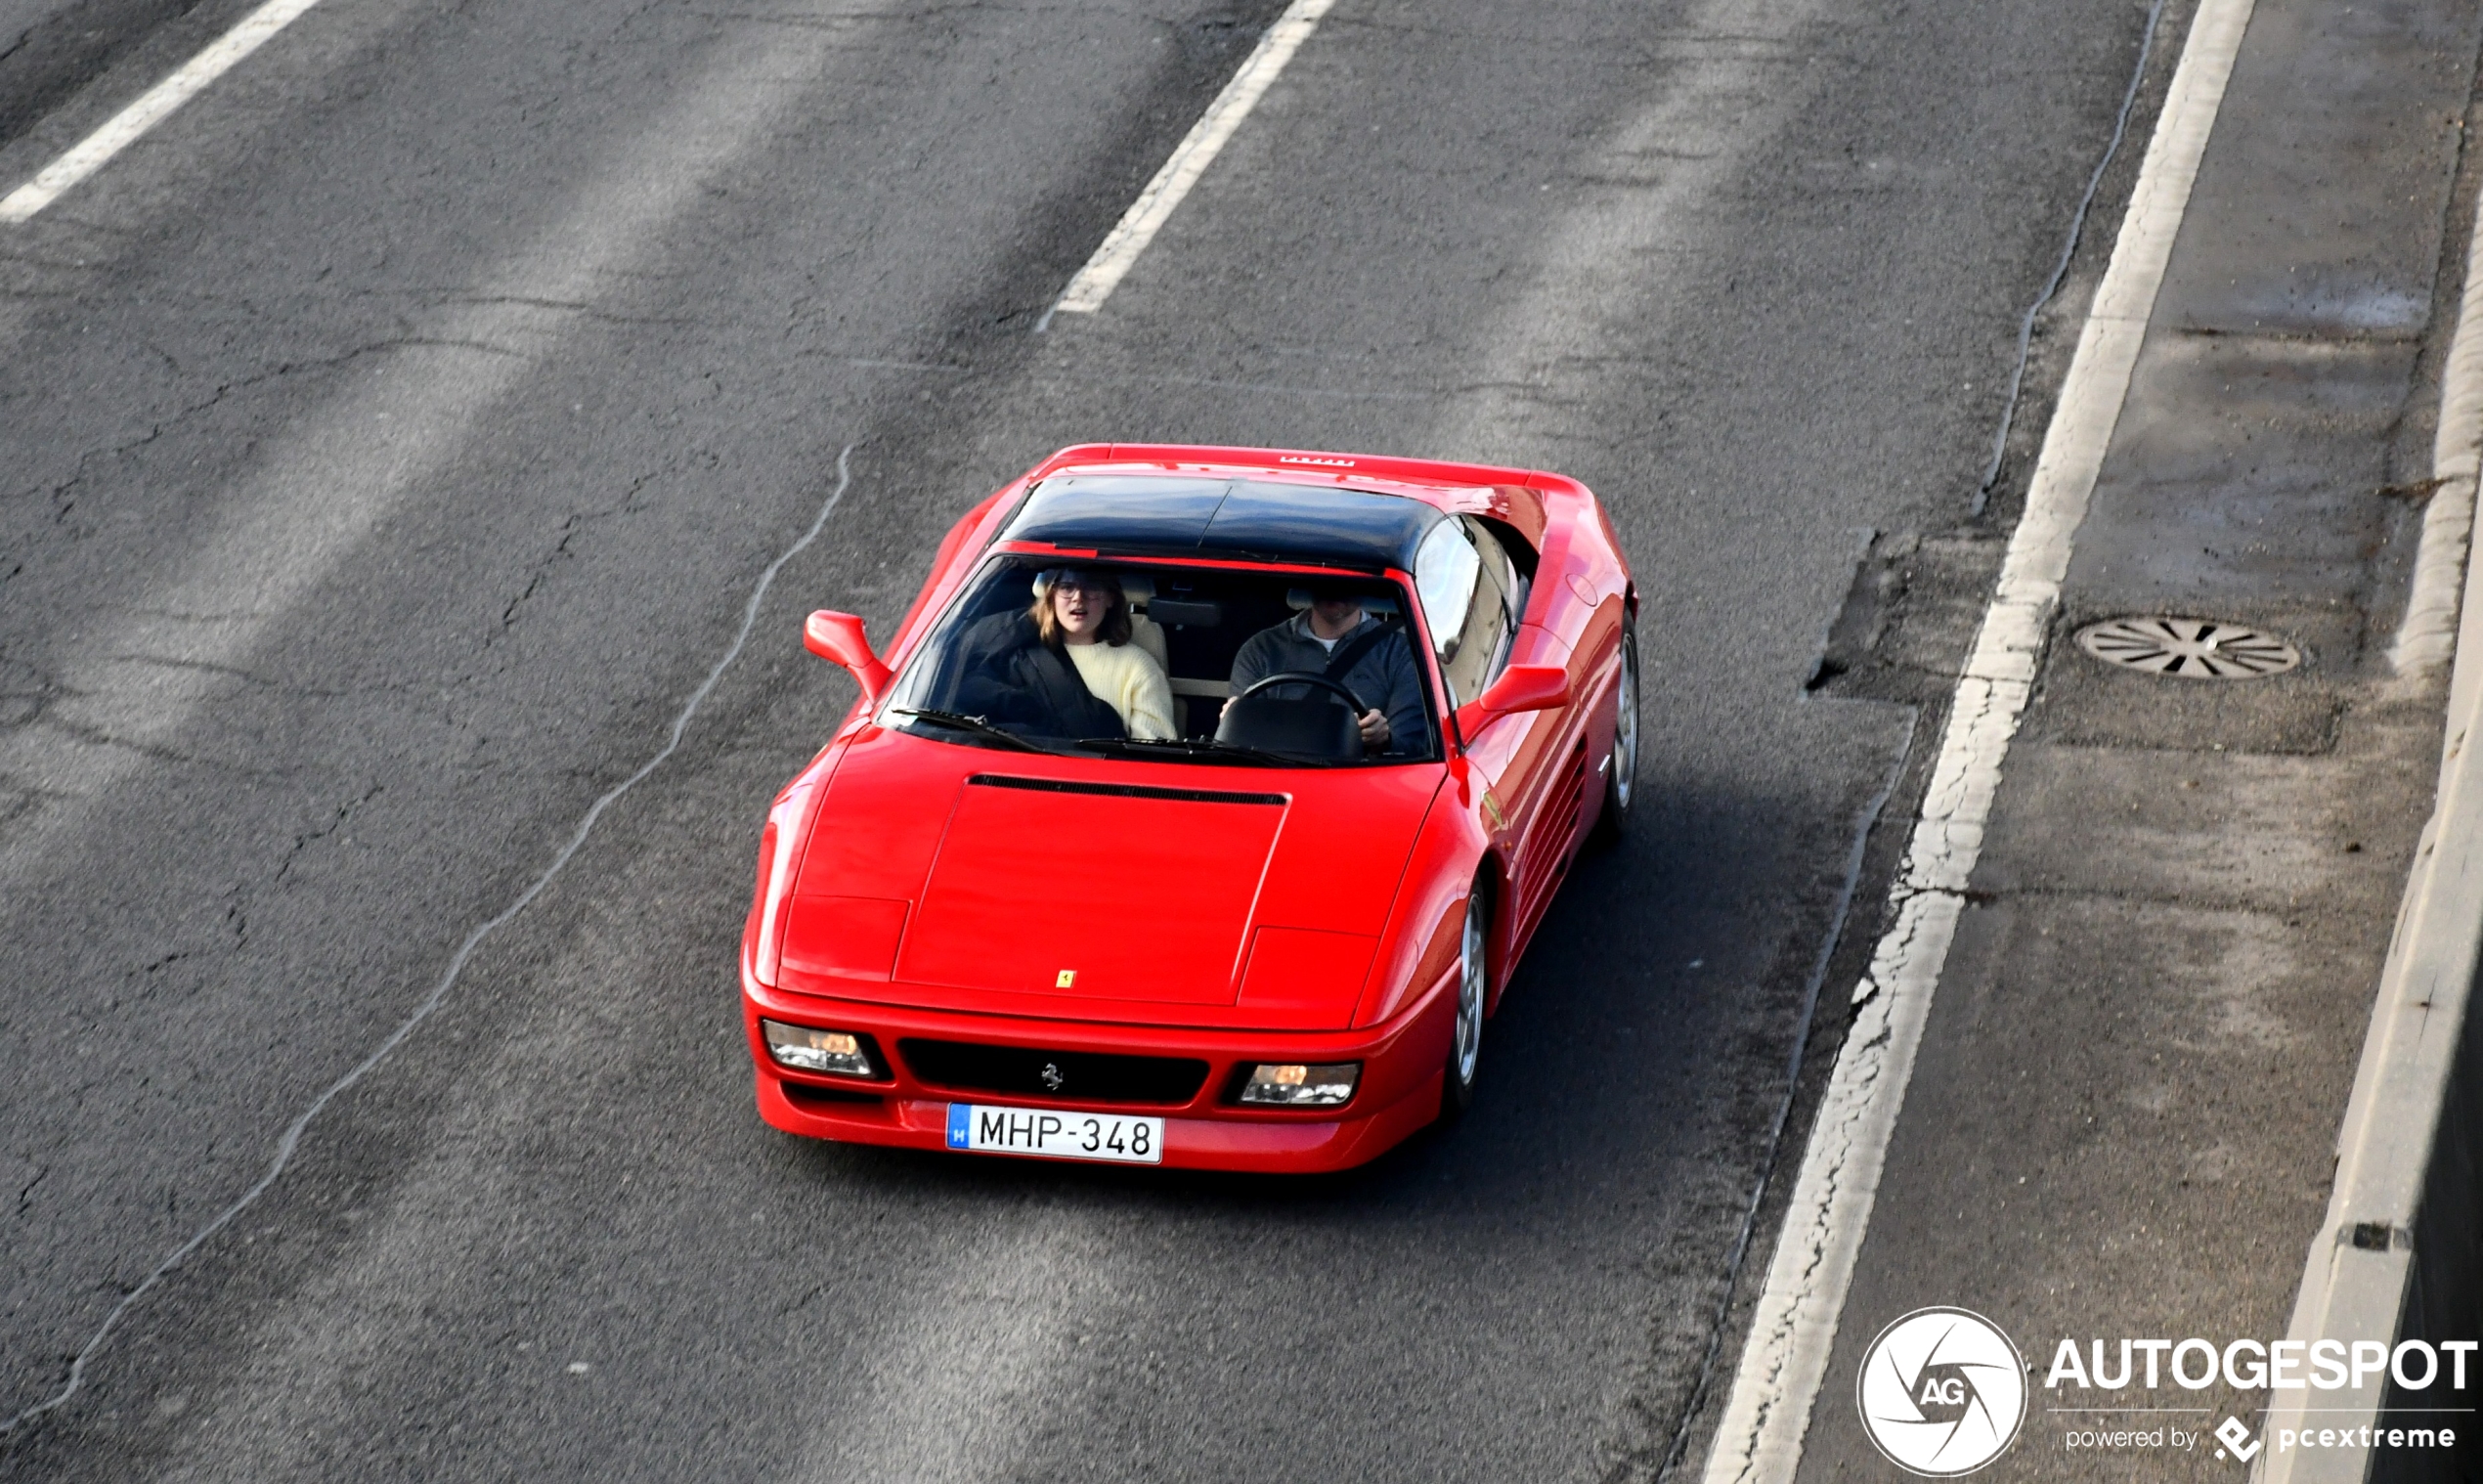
1553 754
1473 596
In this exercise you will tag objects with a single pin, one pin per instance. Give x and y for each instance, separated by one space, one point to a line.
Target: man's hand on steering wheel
1375 730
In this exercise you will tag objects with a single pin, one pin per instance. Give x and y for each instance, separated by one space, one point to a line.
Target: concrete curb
2426 638
2364 1260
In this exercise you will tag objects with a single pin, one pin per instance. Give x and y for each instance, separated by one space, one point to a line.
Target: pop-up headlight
836 1053
1291 1084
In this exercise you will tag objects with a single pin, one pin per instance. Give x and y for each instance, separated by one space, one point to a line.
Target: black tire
1474 994
1621 779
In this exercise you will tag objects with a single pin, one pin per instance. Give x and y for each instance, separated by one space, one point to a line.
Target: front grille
1082 1075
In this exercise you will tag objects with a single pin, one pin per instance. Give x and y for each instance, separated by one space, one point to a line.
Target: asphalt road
390 442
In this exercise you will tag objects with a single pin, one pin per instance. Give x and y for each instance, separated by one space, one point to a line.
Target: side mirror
839 636
1520 687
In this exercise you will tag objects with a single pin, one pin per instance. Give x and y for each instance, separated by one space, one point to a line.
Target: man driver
1377 666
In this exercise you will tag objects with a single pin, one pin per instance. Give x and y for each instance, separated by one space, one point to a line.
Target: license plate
1124 1139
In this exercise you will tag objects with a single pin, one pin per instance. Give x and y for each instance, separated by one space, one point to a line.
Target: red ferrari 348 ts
1198 812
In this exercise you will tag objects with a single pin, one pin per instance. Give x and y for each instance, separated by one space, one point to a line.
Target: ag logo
1942 1392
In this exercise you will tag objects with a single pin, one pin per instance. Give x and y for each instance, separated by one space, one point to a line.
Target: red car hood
964 878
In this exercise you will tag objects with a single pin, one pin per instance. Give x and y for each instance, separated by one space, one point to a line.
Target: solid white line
2427 635
291 1140
1794 1329
125 127
1156 204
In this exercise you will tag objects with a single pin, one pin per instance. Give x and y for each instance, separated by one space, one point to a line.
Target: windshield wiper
1199 747
981 727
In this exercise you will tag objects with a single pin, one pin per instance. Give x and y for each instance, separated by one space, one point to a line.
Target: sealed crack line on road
1762 1384
1857 859
2060 269
289 1143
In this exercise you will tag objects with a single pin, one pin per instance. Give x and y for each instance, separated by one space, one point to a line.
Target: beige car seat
1144 632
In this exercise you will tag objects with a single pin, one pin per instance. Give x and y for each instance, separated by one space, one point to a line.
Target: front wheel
1621 765
1473 988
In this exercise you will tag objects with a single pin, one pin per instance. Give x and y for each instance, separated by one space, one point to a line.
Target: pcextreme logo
1942 1392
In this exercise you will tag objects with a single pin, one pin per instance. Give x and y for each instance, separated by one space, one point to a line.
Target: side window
1465 584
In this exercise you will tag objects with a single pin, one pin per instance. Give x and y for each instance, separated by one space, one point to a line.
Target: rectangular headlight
1294 1084
805 1048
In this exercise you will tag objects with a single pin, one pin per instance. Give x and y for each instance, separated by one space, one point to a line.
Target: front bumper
1399 1093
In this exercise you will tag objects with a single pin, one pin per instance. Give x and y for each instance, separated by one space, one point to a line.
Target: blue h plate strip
961 1118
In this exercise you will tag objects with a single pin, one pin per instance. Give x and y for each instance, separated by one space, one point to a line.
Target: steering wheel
1304 678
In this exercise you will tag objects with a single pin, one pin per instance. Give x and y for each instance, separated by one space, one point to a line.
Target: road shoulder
2121 1115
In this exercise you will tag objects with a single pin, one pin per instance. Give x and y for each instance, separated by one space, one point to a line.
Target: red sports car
1198 812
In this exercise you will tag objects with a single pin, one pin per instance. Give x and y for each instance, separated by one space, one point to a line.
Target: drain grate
2195 650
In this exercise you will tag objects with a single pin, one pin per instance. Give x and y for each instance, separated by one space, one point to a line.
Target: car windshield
1173 664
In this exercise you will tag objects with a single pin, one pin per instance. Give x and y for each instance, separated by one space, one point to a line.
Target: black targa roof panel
1172 515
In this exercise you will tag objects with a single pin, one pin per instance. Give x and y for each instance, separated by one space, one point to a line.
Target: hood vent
1124 790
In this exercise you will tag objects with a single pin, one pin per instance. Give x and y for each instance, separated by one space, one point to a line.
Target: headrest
1182 613
1376 605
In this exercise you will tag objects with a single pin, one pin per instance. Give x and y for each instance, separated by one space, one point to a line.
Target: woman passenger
1084 615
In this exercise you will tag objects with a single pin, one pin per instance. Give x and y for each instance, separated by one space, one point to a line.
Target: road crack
290 1142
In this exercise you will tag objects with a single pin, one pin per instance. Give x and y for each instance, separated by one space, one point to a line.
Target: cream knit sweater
1128 679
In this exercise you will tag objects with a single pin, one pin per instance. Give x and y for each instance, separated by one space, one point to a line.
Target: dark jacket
1384 677
1006 675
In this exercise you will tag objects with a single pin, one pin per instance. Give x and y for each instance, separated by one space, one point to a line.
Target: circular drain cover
2198 649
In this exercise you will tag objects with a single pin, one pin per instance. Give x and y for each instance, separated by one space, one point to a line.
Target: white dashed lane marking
131 123
1164 195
